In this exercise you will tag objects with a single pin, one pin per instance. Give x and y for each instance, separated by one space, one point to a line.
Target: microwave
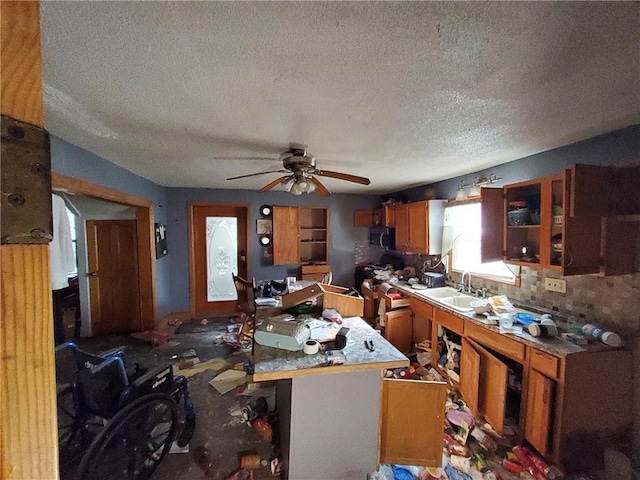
382 237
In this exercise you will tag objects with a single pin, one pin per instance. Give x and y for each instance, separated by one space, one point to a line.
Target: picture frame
160 230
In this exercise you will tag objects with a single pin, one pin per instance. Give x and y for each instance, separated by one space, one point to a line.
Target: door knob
92 274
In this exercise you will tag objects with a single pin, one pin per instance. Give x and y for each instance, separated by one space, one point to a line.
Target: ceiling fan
301 168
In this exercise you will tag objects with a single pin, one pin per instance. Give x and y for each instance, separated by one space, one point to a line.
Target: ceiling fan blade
276 182
320 188
256 174
343 176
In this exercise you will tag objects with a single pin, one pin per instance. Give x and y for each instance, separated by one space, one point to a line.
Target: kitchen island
329 415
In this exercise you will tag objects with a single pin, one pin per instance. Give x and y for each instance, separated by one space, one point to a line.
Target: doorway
145 314
218 249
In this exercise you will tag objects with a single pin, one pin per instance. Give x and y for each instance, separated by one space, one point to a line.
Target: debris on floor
228 380
213 364
153 337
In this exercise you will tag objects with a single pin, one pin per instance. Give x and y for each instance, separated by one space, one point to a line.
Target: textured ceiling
405 93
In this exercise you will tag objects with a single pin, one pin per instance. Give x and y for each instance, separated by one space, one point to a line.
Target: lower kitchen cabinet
537 425
370 302
399 329
412 422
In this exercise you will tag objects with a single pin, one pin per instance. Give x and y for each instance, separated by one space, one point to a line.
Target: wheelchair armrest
156 380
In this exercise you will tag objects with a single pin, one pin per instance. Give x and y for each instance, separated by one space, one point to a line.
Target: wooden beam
28 429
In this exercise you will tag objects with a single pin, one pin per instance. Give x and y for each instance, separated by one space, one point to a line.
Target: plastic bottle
205 460
608 338
250 462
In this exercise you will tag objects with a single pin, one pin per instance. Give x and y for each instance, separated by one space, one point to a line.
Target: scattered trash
204 321
276 466
247 366
204 460
250 462
175 448
189 362
228 380
153 337
213 364
263 428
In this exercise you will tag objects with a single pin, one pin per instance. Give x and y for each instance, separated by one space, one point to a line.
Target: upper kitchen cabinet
389 218
362 218
419 226
300 235
286 232
556 223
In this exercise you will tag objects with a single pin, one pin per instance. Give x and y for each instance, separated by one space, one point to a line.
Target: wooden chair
328 277
246 308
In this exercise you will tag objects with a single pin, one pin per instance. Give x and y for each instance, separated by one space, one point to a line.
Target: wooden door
114 285
226 241
286 234
370 303
492 217
402 227
412 422
470 376
538 413
389 216
418 227
492 395
398 329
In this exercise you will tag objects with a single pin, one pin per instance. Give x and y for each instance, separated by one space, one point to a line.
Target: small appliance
432 279
383 237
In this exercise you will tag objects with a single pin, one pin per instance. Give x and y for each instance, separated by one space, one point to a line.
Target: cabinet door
492 395
370 304
470 375
402 227
389 216
399 329
286 230
492 221
412 422
538 413
418 227
362 218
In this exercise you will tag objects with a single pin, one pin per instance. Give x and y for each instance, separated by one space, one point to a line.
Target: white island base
329 425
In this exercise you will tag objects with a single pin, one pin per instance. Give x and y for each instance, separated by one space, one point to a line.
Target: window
461 237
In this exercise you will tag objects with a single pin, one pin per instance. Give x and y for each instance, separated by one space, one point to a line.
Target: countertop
277 364
554 346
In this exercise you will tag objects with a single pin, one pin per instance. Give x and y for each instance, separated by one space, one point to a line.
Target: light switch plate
555 285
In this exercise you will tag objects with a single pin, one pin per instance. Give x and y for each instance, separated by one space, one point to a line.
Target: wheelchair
116 420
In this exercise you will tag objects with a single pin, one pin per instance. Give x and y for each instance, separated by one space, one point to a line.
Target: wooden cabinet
398 329
314 272
370 303
538 411
286 232
419 226
576 225
412 422
300 235
389 220
362 218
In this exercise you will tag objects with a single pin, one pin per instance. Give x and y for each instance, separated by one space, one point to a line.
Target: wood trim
76 185
28 432
192 266
21 73
146 241
322 370
28 437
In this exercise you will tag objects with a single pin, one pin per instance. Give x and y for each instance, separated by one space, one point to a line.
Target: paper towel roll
311 347
385 287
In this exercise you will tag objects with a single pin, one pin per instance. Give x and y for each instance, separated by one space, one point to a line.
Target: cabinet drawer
544 363
307 269
390 303
496 341
423 309
449 321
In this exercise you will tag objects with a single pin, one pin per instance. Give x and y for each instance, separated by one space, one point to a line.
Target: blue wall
75 162
170 207
342 233
617 147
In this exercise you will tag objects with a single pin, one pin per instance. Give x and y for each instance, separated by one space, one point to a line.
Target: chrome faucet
468 287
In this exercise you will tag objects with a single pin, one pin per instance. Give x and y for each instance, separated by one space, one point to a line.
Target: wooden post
28 429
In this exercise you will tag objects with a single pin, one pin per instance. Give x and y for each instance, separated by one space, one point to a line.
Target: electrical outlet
555 285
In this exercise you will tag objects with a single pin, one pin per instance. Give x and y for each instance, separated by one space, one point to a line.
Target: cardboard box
329 296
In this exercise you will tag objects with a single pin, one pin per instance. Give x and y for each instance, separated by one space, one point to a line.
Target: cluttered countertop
275 363
553 345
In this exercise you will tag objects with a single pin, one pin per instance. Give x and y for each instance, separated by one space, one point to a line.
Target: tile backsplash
611 302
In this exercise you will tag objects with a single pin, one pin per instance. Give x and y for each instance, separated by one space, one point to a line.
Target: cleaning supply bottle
608 338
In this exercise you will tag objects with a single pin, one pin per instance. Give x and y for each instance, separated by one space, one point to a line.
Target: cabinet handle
381 237
547 394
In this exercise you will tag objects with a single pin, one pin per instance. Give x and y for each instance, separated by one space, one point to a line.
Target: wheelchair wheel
134 442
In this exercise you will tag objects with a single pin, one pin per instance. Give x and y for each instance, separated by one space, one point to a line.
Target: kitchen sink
449 297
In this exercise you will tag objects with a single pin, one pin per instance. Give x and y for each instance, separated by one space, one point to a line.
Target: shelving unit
313 235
